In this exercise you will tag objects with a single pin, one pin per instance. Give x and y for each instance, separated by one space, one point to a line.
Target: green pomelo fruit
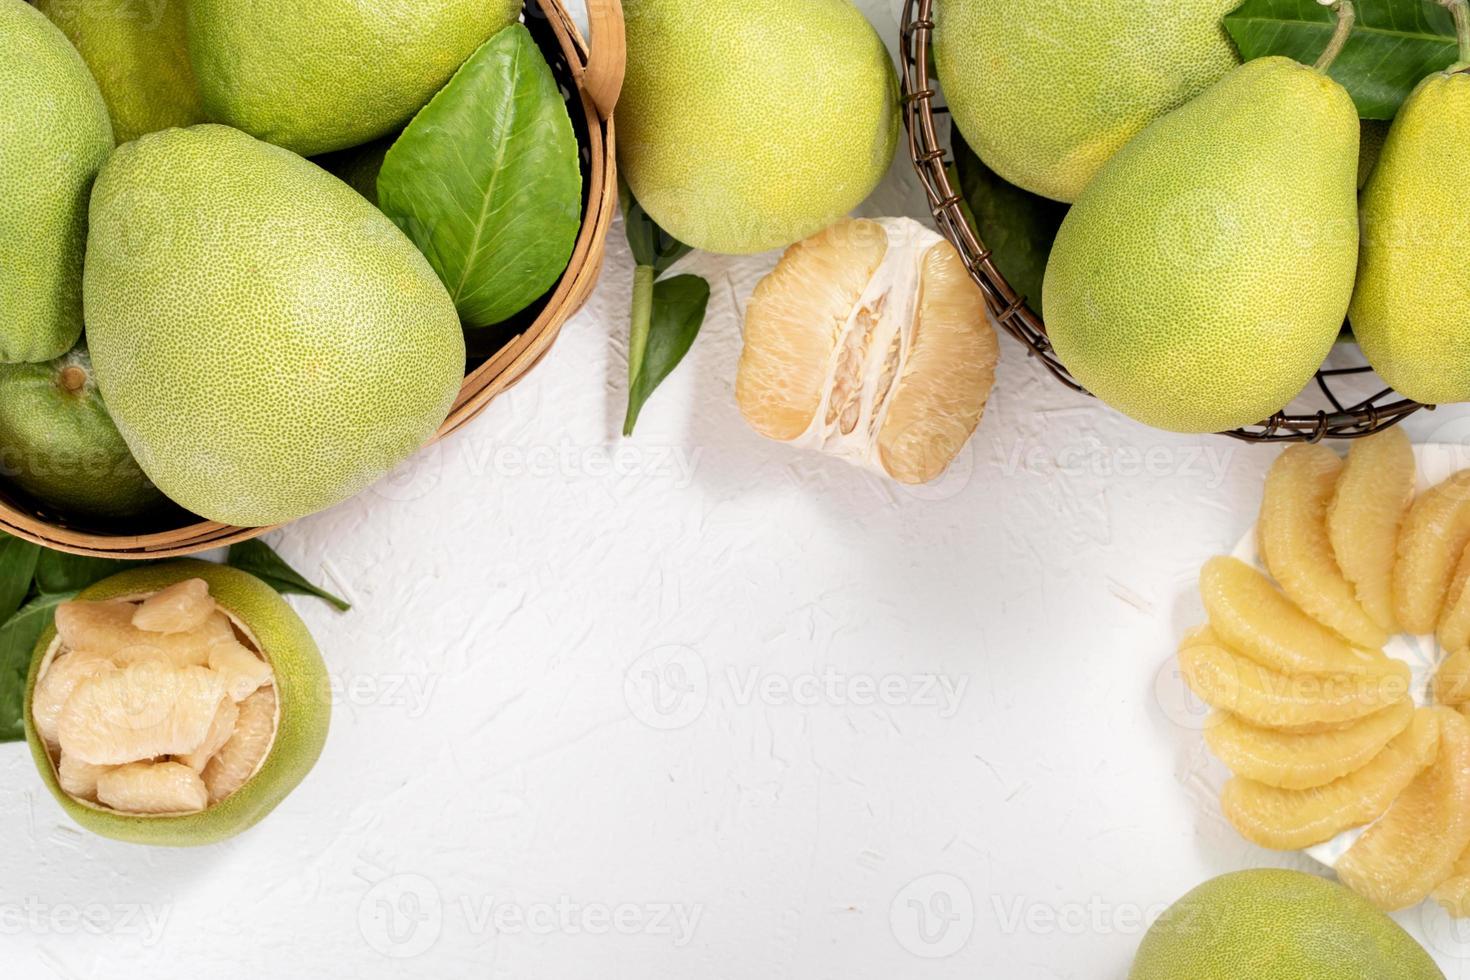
269 344
1411 310
58 444
54 135
1278 925
325 76
1203 276
303 705
1046 92
749 125
139 53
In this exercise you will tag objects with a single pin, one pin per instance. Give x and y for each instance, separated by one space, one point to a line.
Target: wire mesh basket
1349 415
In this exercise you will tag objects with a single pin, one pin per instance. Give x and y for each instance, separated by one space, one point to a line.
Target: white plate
1436 462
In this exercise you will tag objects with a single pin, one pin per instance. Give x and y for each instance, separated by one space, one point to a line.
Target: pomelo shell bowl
1341 416
303 704
591 78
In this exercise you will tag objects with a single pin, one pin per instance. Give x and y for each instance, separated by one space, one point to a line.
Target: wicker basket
1348 417
591 81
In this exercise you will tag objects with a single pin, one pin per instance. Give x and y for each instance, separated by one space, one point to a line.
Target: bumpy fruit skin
268 342
1281 925
304 698
1202 277
58 444
139 54
1411 309
317 77
1046 91
56 135
747 125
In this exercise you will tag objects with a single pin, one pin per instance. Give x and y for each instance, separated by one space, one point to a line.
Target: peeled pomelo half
869 341
1431 544
1290 819
1297 548
258 619
1400 859
1372 496
1293 760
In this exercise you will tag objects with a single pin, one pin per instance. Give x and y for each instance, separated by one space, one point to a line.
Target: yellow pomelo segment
147 787
947 377
1297 550
794 320
1453 631
80 778
220 732
1302 761
302 711
1368 507
106 629
52 693
1286 819
1271 699
237 759
145 710
1431 545
1453 894
1452 679
179 608
1249 615
1400 859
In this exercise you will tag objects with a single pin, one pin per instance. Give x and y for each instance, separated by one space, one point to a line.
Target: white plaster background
621 723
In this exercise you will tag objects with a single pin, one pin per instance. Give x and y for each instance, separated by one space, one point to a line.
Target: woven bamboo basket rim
1345 419
593 76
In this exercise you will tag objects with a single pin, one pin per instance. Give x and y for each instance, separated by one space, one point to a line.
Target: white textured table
692 705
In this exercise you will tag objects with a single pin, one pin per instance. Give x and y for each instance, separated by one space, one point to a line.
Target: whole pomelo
1203 276
1411 307
1278 925
59 444
751 124
303 703
269 344
54 135
315 77
139 53
1046 91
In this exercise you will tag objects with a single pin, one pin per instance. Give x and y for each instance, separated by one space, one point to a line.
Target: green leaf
17 570
261 560
675 315
1393 46
487 180
18 638
1017 226
59 572
650 244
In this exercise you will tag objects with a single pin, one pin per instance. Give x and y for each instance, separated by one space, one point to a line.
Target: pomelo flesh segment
1431 544
180 608
106 628
1368 506
1453 631
1400 859
220 731
1297 549
1251 616
1287 820
80 778
61 680
947 378
1302 761
140 712
152 787
243 672
1452 679
236 761
1271 699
